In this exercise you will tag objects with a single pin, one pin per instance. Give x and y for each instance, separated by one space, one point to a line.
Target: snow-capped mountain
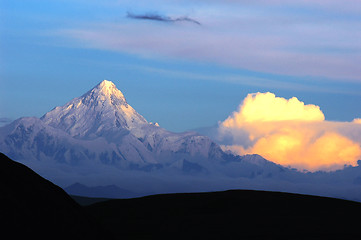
99 111
99 139
101 127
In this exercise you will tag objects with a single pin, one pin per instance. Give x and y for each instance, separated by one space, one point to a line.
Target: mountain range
98 139
101 127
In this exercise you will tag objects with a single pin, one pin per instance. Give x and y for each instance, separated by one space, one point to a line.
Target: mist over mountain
98 139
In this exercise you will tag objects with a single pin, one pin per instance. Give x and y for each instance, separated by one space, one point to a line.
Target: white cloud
266 107
288 132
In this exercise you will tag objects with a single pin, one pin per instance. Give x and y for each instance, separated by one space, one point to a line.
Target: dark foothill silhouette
31 206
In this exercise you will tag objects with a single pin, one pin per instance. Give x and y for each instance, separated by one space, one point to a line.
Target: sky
277 78
184 64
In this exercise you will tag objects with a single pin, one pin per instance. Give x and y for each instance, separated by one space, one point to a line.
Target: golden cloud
290 133
357 120
266 107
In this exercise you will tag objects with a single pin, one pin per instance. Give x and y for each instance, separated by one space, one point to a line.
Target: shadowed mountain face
34 207
237 214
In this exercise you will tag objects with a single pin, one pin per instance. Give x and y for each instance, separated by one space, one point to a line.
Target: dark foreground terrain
34 207
233 214
31 206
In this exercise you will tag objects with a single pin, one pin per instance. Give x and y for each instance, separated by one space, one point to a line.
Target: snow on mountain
99 138
32 139
99 111
101 127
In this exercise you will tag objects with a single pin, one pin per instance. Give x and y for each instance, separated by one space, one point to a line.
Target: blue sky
180 74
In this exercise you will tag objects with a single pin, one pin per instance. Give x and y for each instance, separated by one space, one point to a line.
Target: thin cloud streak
157 17
4 121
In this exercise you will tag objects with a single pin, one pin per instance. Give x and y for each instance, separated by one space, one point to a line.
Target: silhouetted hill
109 191
236 214
85 201
34 207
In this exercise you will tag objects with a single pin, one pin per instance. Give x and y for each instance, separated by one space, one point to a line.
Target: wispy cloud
297 38
161 18
4 121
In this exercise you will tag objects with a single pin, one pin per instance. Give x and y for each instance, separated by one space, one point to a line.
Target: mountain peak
100 110
107 86
108 90
106 83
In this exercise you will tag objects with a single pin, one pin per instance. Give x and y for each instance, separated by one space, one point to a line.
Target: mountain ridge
103 115
99 139
102 108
